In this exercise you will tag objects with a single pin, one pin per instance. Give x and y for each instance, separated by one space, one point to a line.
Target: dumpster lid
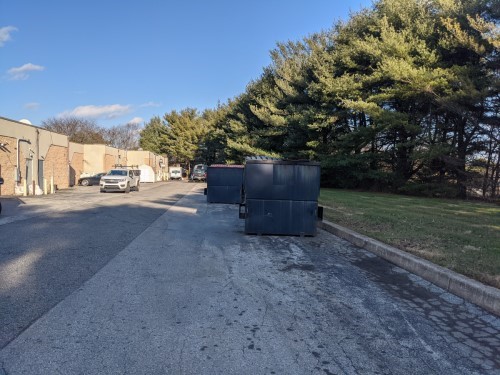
227 166
260 157
269 160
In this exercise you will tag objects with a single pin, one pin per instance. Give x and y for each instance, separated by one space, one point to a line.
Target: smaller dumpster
224 183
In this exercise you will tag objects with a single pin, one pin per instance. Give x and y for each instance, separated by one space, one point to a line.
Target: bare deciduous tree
78 130
123 136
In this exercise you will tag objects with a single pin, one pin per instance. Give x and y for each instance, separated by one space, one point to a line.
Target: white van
175 173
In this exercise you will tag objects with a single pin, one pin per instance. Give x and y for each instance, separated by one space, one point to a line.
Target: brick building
158 163
76 166
30 154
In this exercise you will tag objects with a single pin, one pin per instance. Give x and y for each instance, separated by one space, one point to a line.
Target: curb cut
470 290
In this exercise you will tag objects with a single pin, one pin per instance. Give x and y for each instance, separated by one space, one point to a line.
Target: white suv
120 180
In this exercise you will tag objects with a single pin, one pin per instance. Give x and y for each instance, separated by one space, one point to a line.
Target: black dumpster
280 197
224 183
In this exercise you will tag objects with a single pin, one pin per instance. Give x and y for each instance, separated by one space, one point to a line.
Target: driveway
193 295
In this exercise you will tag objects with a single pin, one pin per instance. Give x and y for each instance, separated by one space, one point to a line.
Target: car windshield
115 172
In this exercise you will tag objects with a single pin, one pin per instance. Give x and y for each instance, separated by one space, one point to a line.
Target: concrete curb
470 290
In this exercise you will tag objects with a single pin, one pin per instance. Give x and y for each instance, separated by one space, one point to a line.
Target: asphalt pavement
50 245
192 294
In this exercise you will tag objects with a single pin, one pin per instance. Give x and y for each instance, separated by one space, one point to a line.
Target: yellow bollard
25 188
45 186
52 185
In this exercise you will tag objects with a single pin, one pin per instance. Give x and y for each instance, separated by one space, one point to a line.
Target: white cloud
150 104
98 111
22 72
136 120
32 106
5 34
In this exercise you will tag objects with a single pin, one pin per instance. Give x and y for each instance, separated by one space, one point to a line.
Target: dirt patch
470 248
489 279
424 249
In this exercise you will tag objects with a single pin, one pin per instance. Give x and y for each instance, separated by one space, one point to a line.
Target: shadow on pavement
44 259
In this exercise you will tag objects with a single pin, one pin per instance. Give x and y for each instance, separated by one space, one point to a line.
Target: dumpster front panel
281 217
282 181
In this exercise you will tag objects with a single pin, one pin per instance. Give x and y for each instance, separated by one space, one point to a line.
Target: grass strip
460 235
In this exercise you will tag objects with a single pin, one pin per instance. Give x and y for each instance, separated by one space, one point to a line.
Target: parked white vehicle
121 179
147 173
175 173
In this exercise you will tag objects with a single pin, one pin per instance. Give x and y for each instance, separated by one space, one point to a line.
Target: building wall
56 165
16 174
53 151
47 139
76 168
159 163
109 162
7 164
62 160
112 157
34 148
122 157
93 159
75 162
141 157
101 158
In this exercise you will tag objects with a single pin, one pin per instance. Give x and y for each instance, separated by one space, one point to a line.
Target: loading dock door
40 174
29 171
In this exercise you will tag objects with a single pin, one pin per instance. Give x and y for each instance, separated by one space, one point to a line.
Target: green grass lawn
460 235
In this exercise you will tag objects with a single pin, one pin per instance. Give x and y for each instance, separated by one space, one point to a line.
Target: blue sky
127 61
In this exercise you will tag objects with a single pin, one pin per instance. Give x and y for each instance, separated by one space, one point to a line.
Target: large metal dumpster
280 197
224 183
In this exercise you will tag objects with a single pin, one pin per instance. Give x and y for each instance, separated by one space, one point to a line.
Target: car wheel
127 189
85 182
137 187
103 191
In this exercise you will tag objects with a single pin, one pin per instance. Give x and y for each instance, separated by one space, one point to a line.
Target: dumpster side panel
224 194
218 176
224 185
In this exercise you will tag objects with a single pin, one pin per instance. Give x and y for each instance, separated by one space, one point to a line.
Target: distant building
30 154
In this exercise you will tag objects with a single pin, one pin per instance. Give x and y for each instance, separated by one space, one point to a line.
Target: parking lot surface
193 295
50 245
